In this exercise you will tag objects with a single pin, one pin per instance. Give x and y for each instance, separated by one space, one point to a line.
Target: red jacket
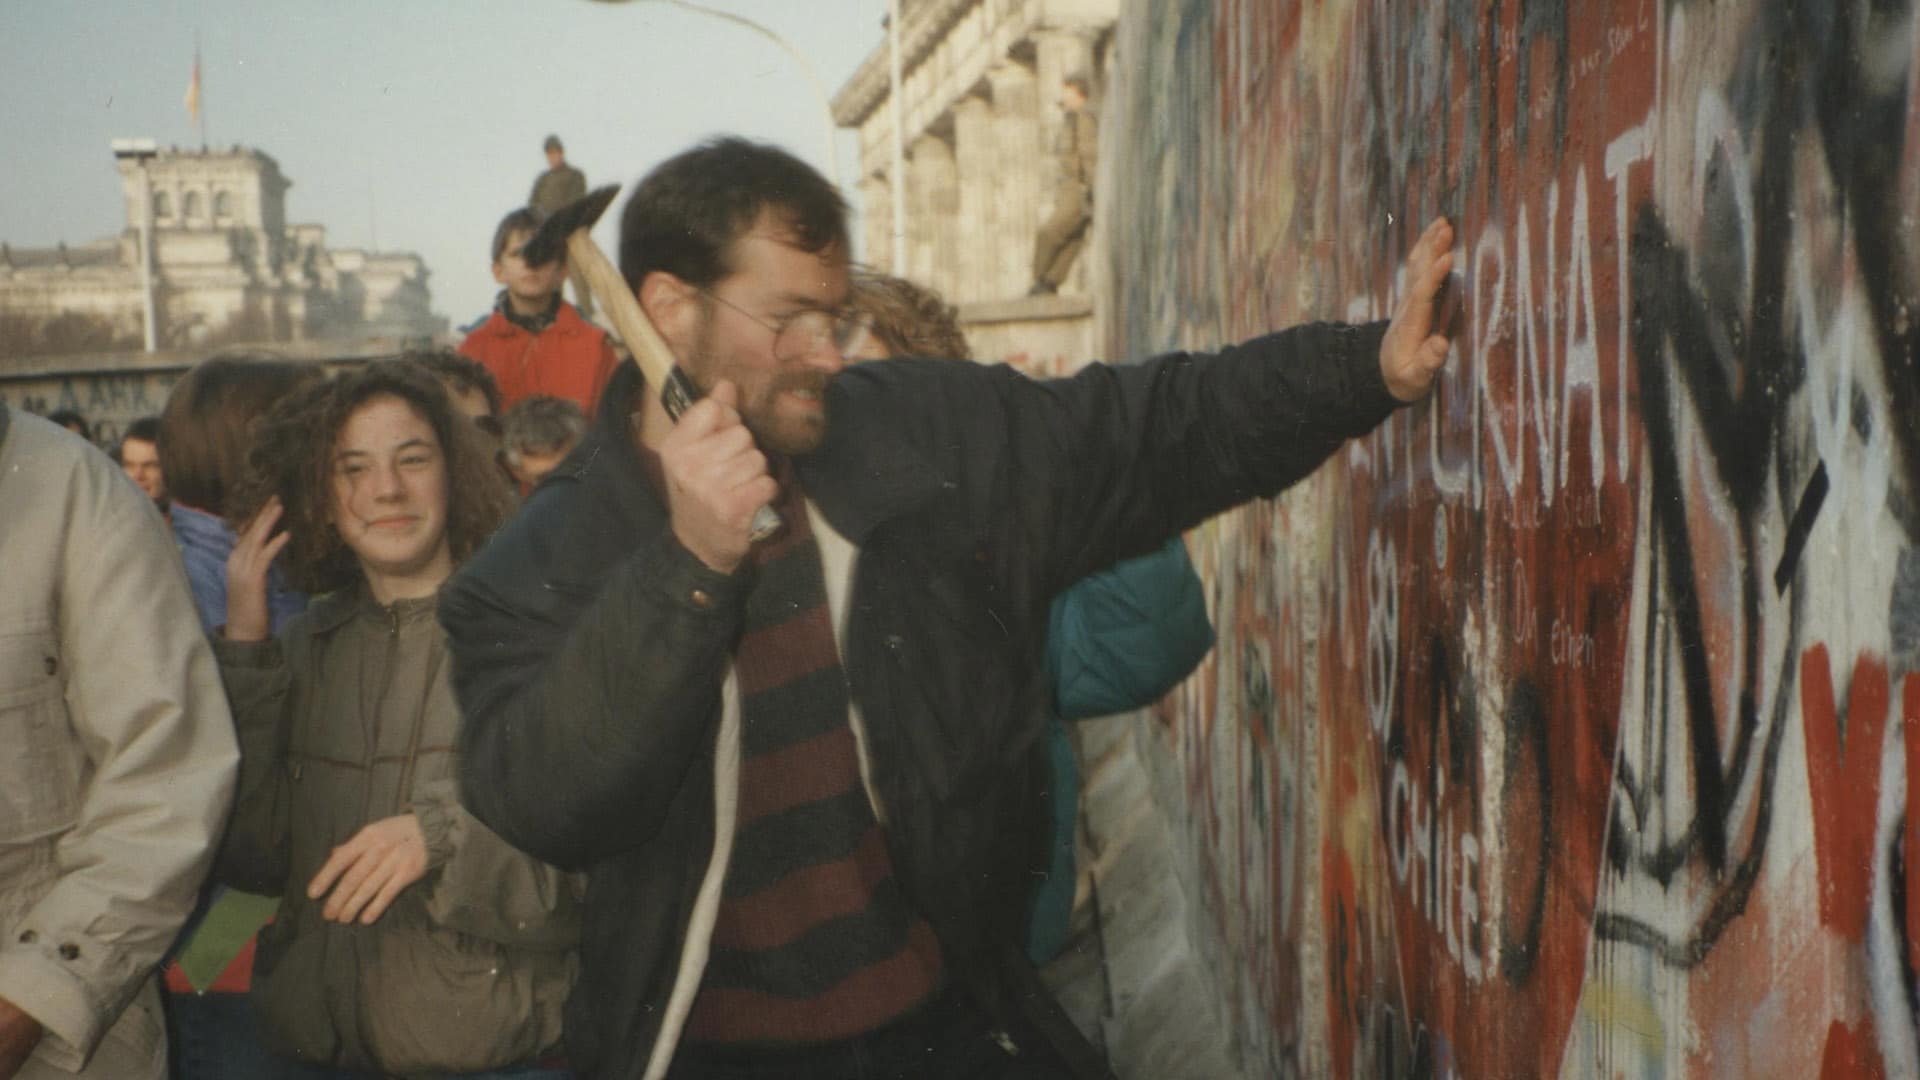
570 358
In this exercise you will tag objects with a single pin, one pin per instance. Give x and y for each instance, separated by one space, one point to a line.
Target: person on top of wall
411 938
535 342
1117 640
556 186
797 764
1076 151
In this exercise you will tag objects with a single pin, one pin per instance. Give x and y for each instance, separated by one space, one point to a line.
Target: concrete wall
1564 726
112 390
1041 335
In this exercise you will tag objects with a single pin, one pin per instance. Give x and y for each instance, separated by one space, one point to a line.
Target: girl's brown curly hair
910 320
292 457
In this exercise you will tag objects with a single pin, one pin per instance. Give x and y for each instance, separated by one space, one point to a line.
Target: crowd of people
449 716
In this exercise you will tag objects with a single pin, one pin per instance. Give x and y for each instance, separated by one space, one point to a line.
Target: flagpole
200 112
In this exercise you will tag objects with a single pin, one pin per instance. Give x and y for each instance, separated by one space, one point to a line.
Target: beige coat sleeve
143 704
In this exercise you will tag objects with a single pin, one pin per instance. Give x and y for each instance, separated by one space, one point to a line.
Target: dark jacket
590 648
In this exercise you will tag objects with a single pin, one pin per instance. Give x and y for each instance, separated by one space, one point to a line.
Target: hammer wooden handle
618 301
644 342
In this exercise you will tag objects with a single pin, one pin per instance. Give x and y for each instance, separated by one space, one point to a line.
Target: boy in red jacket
535 342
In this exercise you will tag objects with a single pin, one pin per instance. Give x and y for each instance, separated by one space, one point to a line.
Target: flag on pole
193 89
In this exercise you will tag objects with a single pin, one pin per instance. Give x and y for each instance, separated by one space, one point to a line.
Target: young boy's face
525 284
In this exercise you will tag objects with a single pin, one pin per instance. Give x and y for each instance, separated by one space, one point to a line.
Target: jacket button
52 665
69 951
701 598
28 937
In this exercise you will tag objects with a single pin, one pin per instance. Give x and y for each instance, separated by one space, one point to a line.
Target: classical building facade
980 89
227 267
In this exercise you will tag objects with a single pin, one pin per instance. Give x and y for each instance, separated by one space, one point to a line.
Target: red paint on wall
1910 730
1850 1053
1843 778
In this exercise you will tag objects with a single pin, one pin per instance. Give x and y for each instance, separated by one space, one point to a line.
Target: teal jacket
1117 640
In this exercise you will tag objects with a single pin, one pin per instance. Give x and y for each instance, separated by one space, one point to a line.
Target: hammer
571 227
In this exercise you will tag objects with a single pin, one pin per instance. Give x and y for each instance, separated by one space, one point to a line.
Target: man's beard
759 412
786 435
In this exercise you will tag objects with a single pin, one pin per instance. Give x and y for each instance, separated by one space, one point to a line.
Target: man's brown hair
208 423
686 214
293 459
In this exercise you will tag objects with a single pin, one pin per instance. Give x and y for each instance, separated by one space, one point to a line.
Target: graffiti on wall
110 400
1564 724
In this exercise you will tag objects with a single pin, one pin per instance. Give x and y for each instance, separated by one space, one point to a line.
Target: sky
406 125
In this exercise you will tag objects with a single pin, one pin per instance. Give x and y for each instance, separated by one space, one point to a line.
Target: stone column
933 193
1024 172
981 187
876 222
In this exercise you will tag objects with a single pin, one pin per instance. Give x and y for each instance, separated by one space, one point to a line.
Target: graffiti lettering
1437 864
1570 647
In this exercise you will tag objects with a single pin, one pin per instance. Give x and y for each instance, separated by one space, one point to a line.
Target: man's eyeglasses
809 329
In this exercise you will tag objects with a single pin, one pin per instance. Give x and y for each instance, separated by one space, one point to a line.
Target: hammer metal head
549 241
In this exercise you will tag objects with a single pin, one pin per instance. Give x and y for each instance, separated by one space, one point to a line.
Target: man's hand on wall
19 1034
1416 344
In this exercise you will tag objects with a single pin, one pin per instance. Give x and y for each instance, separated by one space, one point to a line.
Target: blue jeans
215 1037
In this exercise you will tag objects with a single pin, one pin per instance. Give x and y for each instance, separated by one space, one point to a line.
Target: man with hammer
799 770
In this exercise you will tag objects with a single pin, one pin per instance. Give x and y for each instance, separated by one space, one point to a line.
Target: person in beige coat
118 760
412 940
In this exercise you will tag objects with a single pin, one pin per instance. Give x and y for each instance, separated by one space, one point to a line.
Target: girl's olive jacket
346 718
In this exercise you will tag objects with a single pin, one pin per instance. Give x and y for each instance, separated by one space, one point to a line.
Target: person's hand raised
247 566
1416 344
716 479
